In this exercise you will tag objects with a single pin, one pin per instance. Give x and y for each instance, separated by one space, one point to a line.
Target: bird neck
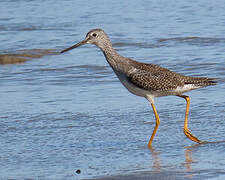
112 57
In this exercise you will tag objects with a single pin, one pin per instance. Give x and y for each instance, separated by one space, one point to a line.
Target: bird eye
94 34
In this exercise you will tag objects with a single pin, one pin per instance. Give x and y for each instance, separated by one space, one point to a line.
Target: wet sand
25 55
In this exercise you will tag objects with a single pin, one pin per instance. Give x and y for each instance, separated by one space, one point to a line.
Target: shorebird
146 80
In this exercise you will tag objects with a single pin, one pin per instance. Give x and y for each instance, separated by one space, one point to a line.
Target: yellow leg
157 122
186 130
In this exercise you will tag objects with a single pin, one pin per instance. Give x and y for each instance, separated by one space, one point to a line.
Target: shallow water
61 113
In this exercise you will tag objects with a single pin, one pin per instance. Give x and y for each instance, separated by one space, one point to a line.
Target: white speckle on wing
132 70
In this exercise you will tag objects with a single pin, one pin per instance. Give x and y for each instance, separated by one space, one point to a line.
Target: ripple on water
200 41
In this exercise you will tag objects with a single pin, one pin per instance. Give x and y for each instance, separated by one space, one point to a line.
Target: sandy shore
25 55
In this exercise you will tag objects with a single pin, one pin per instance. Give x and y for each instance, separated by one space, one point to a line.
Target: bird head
95 36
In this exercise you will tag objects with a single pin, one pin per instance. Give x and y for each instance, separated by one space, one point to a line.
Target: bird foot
191 137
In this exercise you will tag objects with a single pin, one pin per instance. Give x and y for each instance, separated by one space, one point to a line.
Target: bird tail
212 81
202 81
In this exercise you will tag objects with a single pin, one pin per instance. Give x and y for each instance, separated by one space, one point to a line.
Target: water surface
69 112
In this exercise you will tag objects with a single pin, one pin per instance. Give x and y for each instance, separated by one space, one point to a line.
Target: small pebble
78 171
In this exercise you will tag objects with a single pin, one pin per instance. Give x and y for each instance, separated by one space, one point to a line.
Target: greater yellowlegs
146 80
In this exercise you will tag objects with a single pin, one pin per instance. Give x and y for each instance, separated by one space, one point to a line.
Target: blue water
61 113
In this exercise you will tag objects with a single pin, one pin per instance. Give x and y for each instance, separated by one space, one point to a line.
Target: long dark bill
75 46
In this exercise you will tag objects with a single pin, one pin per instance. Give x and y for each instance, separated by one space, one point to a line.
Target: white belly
144 93
131 87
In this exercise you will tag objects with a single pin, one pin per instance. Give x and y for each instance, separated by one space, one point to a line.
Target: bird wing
153 77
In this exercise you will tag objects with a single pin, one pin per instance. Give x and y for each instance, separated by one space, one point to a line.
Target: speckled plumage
146 80
153 79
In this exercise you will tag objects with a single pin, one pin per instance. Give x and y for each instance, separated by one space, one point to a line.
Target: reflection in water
189 160
156 160
156 166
